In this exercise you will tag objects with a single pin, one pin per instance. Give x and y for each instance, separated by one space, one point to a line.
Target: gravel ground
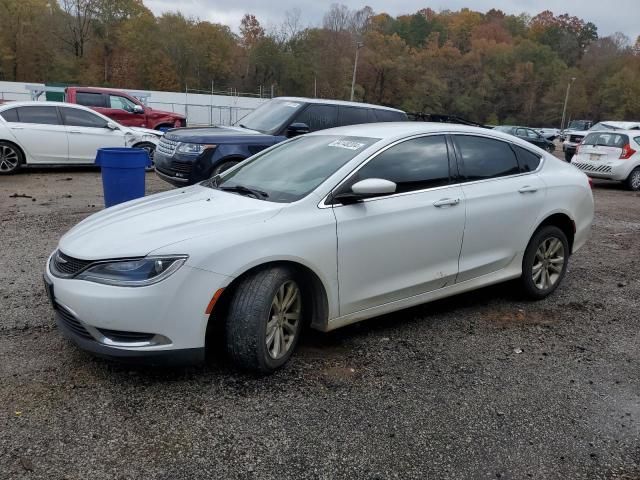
484 385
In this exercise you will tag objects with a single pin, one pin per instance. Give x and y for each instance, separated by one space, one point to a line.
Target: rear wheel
633 180
568 156
10 158
545 262
264 320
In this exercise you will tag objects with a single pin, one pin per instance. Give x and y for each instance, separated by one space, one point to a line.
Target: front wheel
150 148
224 166
633 180
545 262
264 320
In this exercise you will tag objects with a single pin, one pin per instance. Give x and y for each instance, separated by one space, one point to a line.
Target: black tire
551 148
568 156
224 166
633 180
151 150
250 308
543 236
11 158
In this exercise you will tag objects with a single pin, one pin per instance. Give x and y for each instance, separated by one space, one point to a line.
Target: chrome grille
593 168
167 147
575 138
65 266
71 322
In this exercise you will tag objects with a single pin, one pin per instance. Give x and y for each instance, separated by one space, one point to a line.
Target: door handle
446 202
75 131
528 189
17 128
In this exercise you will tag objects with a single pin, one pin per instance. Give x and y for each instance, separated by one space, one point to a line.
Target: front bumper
111 321
182 170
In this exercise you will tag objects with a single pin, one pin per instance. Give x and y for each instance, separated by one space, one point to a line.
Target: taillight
591 185
577 149
627 151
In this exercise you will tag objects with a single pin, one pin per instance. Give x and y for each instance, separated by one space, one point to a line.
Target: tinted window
532 134
412 165
90 99
79 118
319 117
270 116
606 139
486 158
352 115
121 103
10 115
41 115
390 116
528 160
521 132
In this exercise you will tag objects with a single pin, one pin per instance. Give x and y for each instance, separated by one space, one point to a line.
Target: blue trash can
123 173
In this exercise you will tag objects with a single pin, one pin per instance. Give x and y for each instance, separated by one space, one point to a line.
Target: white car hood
146 131
136 228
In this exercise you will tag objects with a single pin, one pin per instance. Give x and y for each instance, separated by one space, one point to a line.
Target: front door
87 133
121 109
400 245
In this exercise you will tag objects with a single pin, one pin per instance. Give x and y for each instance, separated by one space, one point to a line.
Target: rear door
503 200
404 244
352 116
318 117
40 132
88 132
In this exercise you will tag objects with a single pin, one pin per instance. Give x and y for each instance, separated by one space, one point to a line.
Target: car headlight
193 148
138 272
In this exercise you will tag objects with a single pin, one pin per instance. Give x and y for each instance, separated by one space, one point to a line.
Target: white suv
612 155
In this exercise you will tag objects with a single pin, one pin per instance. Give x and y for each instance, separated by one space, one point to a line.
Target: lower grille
593 168
182 167
72 323
121 336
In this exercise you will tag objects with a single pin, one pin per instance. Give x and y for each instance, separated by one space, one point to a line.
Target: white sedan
54 133
324 230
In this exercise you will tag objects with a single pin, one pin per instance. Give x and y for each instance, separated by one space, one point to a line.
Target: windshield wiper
242 190
211 182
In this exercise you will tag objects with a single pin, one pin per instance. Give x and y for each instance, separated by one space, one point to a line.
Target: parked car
528 135
574 138
388 215
124 108
611 155
190 155
54 133
549 133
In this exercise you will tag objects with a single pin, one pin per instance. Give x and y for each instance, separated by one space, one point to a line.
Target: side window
352 115
390 116
120 103
528 160
74 117
412 165
89 99
532 134
10 115
521 132
485 157
40 115
318 117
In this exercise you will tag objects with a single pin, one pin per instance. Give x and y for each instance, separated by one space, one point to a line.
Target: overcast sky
610 16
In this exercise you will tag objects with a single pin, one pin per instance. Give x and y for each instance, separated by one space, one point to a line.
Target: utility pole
359 45
566 100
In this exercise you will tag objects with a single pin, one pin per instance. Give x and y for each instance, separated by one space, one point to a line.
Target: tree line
489 67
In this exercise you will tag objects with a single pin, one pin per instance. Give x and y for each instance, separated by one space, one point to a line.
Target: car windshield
270 116
577 125
290 171
603 126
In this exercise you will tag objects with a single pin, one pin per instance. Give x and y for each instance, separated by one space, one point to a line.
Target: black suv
186 156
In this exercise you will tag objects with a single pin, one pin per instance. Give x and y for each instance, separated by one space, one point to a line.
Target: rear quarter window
10 115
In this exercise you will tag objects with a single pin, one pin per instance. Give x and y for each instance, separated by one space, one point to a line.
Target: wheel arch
20 149
564 222
313 288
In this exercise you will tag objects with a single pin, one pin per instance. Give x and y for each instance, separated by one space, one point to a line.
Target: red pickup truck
123 108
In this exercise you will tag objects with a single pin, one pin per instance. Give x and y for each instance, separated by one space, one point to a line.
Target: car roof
337 102
632 132
393 130
621 125
40 104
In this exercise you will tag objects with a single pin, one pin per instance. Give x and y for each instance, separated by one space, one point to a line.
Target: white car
573 138
54 133
325 229
611 155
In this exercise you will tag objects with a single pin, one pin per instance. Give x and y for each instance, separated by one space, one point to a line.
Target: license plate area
594 157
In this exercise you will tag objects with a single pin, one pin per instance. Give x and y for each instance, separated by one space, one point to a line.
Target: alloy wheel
284 319
635 180
9 159
548 263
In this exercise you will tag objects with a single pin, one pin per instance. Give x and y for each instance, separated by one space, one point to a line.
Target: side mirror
112 126
296 129
370 187
138 109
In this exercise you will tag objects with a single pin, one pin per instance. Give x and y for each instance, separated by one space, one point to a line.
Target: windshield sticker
347 144
292 105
